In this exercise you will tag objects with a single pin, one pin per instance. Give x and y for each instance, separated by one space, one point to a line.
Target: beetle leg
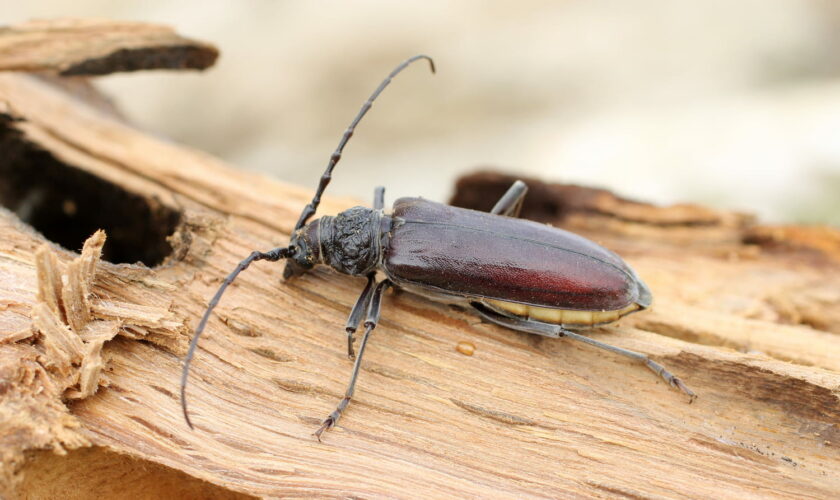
379 198
370 323
514 323
356 314
555 331
511 202
653 365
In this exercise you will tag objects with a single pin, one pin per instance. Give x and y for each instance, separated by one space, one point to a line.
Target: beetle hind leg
370 323
511 202
555 331
651 364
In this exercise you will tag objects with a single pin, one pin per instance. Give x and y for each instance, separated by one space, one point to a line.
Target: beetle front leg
511 202
370 323
357 313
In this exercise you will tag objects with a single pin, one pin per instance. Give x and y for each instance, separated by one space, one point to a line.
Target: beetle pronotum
513 272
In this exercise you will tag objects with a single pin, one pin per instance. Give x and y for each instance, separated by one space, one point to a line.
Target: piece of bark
521 416
98 47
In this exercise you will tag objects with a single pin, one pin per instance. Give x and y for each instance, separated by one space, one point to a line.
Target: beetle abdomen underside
470 253
566 317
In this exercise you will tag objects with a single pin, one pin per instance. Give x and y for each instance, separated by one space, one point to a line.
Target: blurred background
735 104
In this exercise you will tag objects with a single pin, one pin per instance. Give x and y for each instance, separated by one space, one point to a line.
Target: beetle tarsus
669 377
328 423
681 386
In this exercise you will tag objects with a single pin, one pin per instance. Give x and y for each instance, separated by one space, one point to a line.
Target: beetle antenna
272 255
310 209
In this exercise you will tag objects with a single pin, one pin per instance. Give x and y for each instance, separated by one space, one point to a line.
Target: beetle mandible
513 272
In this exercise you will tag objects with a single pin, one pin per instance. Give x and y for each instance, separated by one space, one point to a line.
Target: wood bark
95 47
447 406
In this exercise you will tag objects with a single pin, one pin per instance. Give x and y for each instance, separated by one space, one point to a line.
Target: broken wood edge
70 324
92 47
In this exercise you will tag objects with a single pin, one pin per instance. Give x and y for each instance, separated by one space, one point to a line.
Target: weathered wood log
90 346
97 47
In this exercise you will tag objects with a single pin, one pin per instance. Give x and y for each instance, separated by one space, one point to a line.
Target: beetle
513 272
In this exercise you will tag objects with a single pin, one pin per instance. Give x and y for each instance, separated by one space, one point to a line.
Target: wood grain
751 326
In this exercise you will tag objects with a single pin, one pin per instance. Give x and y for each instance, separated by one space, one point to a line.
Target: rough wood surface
90 350
98 47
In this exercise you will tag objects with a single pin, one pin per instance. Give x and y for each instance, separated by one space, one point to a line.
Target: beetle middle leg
511 202
370 323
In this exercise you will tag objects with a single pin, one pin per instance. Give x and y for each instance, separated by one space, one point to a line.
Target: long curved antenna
310 209
272 255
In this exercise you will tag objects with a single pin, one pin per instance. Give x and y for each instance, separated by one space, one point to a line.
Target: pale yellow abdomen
566 317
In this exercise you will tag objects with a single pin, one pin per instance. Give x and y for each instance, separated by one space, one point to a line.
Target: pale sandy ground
731 103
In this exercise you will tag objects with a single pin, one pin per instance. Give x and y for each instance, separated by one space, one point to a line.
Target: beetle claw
679 385
327 424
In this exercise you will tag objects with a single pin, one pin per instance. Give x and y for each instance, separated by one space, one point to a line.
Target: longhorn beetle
513 272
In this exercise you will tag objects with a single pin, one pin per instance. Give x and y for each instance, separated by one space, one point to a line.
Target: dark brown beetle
513 272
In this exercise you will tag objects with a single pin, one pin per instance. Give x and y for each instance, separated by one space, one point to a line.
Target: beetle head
307 249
